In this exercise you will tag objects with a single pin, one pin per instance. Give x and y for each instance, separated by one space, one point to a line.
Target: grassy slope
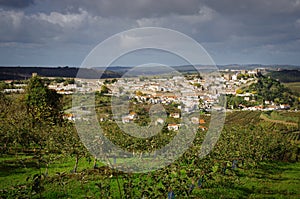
294 86
286 75
267 180
15 171
266 118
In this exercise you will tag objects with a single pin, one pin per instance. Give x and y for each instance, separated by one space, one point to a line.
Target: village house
285 106
173 127
203 128
69 116
159 121
128 118
195 120
201 121
175 115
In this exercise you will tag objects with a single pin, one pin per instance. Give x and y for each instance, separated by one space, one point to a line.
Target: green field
267 167
294 86
266 179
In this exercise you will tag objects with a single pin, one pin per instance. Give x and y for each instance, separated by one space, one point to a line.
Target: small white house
285 106
159 121
126 119
173 127
195 120
175 115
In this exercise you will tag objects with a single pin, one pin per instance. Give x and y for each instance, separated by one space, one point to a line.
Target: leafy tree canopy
272 90
42 103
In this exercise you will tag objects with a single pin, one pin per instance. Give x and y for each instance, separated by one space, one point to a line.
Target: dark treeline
21 73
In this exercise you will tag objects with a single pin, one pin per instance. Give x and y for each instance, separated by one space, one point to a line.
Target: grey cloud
229 29
150 8
17 26
125 8
16 3
255 7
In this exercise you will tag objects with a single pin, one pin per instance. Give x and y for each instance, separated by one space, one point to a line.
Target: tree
3 86
198 85
272 90
139 93
42 104
239 91
104 89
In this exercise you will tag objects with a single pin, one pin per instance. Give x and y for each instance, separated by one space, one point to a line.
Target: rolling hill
20 73
286 76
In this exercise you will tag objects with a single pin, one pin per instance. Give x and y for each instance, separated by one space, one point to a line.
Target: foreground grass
266 180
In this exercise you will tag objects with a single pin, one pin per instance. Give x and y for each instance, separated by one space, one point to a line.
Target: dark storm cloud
16 3
259 13
229 29
255 7
151 8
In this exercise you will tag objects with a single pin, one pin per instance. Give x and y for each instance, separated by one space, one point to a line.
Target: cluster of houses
233 79
194 120
165 91
188 94
81 85
267 107
160 121
17 87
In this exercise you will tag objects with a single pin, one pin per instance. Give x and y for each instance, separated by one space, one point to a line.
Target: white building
173 127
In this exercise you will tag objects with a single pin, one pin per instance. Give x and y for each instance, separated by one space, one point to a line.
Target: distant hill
254 66
20 73
285 76
154 70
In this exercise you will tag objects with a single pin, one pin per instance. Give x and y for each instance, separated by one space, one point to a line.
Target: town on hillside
244 90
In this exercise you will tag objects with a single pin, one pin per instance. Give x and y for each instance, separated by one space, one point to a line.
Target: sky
63 32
